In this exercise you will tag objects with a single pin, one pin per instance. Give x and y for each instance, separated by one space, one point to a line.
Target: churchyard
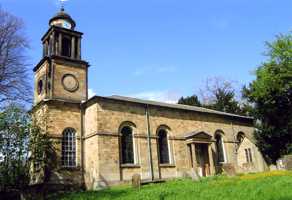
274 185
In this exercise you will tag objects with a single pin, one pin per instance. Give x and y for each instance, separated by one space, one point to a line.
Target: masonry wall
61 116
41 74
80 73
110 115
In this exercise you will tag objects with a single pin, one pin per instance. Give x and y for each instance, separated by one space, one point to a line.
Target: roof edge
166 105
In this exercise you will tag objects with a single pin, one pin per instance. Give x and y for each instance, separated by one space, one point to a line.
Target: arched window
240 136
127 145
69 148
163 147
220 148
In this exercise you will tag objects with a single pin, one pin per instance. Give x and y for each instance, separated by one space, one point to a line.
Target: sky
162 49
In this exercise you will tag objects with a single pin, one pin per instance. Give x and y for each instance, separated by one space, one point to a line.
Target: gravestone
229 169
136 181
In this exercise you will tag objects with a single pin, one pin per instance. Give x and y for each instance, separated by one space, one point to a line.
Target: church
104 141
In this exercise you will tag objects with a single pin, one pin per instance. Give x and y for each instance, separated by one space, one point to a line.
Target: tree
219 94
14 132
190 100
14 85
271 94
23 145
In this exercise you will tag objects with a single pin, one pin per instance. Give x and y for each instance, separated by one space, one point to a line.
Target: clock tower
60 88
61 74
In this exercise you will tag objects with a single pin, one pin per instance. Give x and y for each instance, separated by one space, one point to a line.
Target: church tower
60 88
61 74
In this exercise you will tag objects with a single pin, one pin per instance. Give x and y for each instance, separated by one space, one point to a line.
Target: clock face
66 25
70 82
62 23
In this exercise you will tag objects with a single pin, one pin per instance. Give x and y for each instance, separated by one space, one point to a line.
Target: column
79 48
211 161
73 48
194 156
53 44
44 49
60 44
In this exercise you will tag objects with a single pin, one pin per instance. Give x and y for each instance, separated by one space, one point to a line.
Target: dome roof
62 15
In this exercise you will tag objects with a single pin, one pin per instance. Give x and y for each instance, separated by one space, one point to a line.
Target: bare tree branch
14 84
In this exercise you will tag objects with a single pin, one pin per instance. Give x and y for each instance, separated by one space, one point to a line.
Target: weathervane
62 4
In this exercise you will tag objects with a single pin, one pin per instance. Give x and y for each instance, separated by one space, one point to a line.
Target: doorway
202 159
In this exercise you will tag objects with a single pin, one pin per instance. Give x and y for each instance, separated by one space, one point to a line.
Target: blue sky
162 49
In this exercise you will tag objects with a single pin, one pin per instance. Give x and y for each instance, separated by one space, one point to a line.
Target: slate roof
168 105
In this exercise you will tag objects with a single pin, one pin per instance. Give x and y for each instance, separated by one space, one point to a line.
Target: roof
168 105
63 15
197 134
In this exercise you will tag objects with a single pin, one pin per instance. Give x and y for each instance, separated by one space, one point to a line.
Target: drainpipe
82 111
149 141
235 140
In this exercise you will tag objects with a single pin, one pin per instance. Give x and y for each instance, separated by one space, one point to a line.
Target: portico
200 153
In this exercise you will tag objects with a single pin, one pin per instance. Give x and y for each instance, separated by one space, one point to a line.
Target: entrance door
202 157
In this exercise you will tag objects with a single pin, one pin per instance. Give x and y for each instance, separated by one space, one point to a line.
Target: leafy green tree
219 94
22 144
14 135
225 101
271 94
190 100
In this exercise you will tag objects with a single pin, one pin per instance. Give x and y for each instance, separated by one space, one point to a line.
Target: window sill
166 165
130 166
70 168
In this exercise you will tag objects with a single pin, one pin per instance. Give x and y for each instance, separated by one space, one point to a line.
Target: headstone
136 181
280 164
229 169
288 162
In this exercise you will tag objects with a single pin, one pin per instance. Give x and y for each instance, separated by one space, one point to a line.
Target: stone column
194 156
79 48
211 161
44 49
73 48
60 44
53 44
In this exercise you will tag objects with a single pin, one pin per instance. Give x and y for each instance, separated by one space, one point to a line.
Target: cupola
62 19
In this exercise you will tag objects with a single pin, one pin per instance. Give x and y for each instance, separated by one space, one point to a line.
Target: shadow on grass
96 195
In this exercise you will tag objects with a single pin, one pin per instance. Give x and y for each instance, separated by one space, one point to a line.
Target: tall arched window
69 148
240 137
220 148
127 145
163 147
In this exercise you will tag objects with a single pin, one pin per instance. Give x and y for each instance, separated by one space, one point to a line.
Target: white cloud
154 69
162 96
91 93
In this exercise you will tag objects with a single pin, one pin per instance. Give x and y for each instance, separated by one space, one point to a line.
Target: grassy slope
263 186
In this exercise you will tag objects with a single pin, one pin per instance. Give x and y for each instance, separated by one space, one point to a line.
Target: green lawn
275 185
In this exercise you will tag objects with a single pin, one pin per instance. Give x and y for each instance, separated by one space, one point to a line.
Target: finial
62 5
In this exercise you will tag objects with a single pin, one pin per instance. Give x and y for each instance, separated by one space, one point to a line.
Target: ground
274 185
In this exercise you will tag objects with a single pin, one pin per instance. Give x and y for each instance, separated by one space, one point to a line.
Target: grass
276 185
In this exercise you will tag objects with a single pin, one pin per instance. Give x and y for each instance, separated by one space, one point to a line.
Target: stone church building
104 141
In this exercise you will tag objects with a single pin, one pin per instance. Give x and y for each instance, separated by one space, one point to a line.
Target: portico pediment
198 136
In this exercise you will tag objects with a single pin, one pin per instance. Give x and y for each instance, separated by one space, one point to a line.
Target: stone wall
58 88
40 74
58 116
110 115
243 165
